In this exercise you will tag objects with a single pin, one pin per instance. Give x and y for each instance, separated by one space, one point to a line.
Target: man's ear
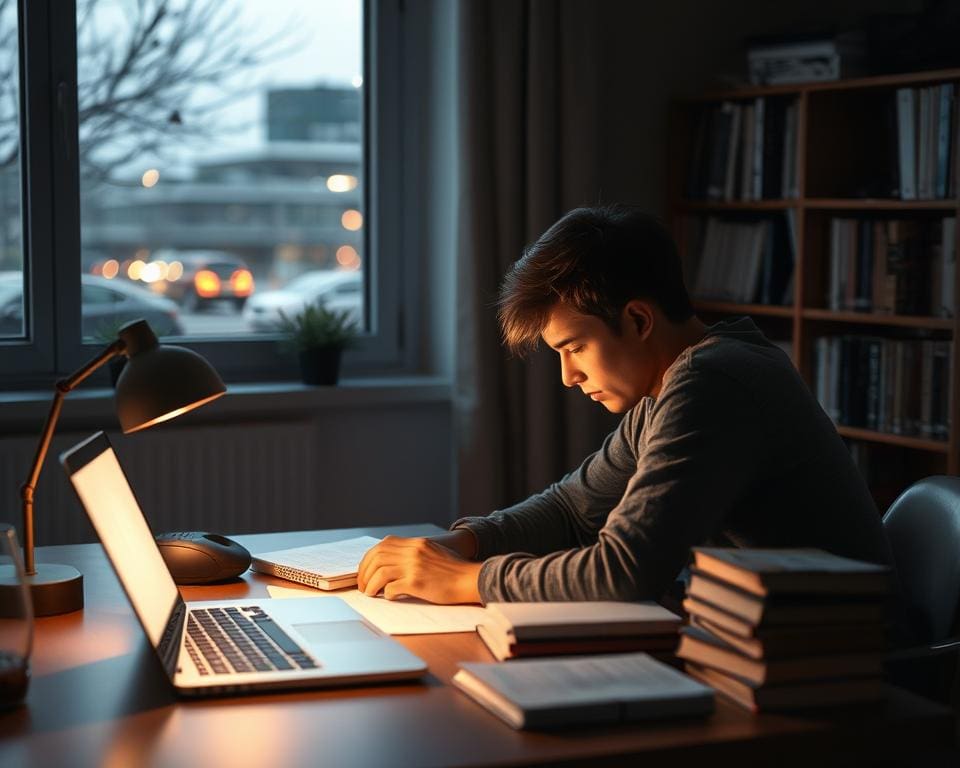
640 315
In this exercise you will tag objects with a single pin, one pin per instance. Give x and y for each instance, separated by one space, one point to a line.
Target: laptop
221 647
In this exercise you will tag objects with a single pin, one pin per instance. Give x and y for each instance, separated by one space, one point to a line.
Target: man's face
608 368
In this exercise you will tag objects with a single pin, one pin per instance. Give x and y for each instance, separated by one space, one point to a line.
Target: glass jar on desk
16 622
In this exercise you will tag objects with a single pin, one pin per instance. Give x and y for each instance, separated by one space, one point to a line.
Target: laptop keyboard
226 640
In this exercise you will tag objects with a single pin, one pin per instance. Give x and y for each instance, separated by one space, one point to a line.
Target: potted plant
319 336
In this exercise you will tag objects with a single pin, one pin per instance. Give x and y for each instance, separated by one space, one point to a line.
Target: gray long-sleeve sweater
735 451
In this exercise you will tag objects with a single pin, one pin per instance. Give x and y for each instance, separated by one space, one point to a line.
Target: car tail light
207 284
242 282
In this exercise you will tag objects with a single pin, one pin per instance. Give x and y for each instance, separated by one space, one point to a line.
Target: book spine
948 253
923 144
730 174
907 143
873 383
772 146
943 138
719 143
758 139
864 274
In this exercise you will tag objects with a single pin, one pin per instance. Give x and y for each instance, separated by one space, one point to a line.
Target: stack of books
516 630
785 629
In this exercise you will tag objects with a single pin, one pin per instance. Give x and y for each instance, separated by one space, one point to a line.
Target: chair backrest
923 527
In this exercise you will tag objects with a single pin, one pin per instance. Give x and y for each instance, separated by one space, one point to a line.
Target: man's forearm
462 541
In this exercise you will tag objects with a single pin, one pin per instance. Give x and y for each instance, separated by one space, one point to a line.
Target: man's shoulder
742 357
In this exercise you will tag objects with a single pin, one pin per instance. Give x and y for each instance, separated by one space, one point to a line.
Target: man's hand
420 568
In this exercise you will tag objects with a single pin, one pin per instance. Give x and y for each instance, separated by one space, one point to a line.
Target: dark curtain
528 115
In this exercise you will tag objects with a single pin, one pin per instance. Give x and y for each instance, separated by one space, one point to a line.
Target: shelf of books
828 212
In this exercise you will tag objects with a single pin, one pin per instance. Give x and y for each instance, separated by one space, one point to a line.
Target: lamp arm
62 387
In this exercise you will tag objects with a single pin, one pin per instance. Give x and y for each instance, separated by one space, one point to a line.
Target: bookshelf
863 295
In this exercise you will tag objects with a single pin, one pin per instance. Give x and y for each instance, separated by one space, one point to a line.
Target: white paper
332 558
407 616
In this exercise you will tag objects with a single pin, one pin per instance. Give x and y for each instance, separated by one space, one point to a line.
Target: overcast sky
328 34
321 43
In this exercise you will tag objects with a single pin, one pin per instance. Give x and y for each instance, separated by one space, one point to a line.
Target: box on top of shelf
774 61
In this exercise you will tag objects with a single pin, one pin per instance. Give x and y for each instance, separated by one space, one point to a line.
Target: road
222 320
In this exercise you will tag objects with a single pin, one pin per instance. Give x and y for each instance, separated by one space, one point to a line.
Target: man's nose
570 374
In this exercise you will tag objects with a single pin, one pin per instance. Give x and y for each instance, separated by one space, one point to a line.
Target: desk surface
98 697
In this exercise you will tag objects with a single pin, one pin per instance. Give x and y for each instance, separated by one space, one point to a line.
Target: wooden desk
98 698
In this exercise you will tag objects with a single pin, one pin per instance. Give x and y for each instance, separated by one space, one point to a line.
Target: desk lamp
157 383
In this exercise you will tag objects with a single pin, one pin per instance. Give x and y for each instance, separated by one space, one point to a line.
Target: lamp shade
159 381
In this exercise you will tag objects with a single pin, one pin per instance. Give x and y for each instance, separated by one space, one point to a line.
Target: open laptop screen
109 501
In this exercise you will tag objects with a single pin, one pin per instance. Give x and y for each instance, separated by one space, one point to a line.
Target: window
221 153
12 324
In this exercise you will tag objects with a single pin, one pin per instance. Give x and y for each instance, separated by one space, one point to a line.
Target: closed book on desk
705 649
550 693
550 621
755 610
781 571
503 646
761 698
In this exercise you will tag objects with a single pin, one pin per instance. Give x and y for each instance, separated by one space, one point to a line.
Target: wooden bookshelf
914 443
843 147
875 318
729 308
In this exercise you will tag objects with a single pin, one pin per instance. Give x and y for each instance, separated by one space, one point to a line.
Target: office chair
923 527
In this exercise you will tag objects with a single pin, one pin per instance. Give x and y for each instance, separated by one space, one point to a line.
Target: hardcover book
708 650
762 571
550 693
764 698
546 621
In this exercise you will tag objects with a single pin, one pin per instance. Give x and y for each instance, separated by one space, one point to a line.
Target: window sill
24 411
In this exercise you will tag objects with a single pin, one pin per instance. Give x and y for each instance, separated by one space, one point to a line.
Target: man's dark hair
594 260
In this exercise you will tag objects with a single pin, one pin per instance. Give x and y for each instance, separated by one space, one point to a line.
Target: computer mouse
196 557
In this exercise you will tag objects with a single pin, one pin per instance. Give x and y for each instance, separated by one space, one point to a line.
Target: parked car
105 305
208 277
337 290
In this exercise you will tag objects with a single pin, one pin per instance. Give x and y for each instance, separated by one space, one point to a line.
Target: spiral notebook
331 565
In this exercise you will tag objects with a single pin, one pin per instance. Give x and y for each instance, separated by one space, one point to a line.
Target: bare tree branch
182 58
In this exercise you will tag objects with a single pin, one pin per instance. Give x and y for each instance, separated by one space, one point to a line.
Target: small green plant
316 326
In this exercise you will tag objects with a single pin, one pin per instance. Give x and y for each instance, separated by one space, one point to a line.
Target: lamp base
55 589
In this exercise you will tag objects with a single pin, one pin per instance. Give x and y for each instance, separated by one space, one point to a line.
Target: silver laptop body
221 647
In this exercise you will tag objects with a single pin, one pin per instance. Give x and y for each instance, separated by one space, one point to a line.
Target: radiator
231 479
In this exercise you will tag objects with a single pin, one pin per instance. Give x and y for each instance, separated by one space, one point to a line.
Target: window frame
51 210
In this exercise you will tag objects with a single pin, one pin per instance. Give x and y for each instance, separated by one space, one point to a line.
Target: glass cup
16 622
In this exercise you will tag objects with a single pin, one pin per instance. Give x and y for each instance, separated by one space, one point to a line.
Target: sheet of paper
407 616
332 558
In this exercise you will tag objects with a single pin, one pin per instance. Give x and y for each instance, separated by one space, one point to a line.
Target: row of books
745 151
899 266
888 385
784 629
926 142
741 260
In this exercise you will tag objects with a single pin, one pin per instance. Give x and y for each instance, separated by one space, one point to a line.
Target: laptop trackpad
336 632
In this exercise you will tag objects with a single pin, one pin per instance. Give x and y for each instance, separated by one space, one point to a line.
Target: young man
721 442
